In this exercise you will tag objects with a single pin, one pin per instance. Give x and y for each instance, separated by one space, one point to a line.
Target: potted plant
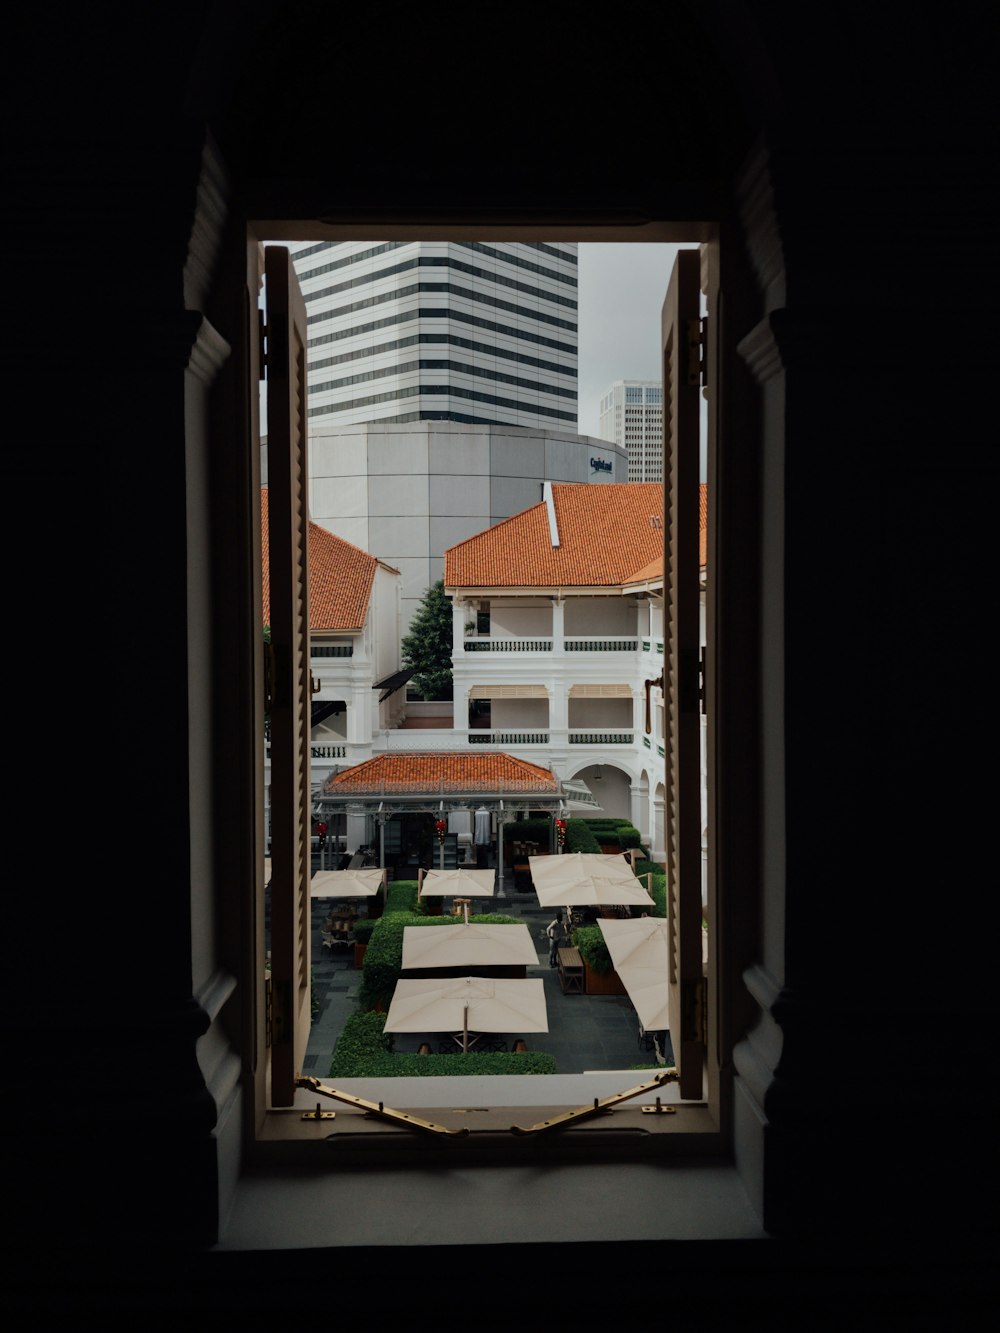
599 975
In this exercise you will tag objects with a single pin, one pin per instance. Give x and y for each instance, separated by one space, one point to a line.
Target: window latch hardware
659 683
658 1109
319 1115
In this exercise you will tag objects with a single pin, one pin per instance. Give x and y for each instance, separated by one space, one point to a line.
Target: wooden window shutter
681 327
291 686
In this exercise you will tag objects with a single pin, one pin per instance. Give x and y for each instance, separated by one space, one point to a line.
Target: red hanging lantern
561 832
441 828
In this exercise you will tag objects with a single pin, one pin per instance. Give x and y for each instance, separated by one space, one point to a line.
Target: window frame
697 1127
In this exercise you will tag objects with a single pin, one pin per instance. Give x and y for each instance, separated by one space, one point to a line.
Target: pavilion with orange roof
439 784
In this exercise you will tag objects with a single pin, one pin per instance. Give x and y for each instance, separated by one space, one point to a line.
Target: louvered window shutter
681 326
291 697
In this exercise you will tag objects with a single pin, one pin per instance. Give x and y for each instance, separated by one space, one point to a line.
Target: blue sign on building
600 464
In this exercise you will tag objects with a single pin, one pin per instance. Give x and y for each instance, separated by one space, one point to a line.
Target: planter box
359 954
597 983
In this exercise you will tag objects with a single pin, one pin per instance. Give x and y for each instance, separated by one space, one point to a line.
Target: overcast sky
621 295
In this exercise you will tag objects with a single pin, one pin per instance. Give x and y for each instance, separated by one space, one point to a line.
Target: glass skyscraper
460 331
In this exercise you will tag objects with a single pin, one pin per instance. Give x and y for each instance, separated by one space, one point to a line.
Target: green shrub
363 1050
580 837
659 885
363 928
384 955
593 948
474 1062
402 896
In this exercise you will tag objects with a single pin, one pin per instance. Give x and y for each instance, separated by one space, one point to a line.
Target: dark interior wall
882 174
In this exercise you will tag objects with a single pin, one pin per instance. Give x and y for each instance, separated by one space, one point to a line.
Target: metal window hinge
703 679
696 375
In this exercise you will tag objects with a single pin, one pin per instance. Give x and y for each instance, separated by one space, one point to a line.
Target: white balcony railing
513 645
601 737
508 737
572 643
602 644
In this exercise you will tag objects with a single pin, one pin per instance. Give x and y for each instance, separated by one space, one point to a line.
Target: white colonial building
558 642
354 618
409 491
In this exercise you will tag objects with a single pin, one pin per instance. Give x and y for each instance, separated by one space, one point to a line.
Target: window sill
358 1181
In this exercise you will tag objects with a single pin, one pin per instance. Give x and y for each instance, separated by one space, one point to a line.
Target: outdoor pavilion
437 782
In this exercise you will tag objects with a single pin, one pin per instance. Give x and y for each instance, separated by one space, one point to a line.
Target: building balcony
601 737
571 643
482 644
607 644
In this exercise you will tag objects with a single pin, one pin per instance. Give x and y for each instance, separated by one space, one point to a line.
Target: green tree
427 646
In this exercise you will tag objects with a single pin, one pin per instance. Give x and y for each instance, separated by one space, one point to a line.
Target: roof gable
442 771
341 576
606 533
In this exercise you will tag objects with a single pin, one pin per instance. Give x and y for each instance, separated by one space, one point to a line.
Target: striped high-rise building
632 417
461 331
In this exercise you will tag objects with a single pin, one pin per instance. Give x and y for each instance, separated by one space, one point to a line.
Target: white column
558 623
559 712
638 811
459 615
359 721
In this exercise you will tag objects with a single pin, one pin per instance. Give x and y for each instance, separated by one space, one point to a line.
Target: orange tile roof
606 532
654 570
441 771
340 578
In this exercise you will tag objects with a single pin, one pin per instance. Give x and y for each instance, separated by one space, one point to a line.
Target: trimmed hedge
621 831
593 948
402 896
659 887
384 955
363 1050
580 837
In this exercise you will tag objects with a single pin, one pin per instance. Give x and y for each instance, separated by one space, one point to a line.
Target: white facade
408 492
469 332
346 668
632 417
560 680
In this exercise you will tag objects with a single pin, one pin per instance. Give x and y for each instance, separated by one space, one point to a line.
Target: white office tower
460 331
632 417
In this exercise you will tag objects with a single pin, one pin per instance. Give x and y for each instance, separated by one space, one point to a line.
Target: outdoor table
571 971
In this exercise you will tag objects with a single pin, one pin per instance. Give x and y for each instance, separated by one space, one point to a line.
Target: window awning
508 692
390 684
600 691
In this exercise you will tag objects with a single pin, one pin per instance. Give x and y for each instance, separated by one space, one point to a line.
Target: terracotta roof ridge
496 527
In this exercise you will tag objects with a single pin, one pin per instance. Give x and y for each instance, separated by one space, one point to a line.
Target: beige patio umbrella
482 1004
468 945
586 879
638 949
467 883
347 883
459 883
